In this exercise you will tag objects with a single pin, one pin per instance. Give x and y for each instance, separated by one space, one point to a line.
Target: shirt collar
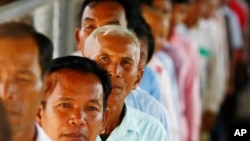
41 135
127 125
129 120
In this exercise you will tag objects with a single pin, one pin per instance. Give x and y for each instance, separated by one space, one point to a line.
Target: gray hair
112 30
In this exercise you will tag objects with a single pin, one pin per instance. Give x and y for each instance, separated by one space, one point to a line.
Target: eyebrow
95 101
115 22
88 19
127 58
25 72
65 99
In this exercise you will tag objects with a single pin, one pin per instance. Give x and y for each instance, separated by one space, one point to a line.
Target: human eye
103 59
23 78
126 62
92 108
89 27
64 105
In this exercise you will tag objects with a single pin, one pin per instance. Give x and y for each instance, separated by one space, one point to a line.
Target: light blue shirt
142 101
169 66
137 126
150 83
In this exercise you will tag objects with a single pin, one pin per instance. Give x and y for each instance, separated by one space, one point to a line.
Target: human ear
40 114
77 38
104 121
138 78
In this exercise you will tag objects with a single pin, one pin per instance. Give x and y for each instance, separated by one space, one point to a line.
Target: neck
171 33
27 134
115 117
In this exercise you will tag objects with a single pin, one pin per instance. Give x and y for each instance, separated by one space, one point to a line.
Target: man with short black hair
75 100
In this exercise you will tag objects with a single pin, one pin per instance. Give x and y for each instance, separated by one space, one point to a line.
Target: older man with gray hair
117 50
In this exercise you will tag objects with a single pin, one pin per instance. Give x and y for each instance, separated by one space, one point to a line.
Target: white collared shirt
137 126
41 135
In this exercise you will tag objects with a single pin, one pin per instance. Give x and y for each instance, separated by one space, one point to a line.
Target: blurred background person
25 57
211 62
185 58
150 81
163 65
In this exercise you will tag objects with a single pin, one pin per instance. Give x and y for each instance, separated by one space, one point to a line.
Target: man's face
21 82
159 32
99 14
164 6
74 106
120 57
179 13
159 26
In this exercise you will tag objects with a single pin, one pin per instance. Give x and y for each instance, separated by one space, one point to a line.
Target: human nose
78 118
6 91
114 70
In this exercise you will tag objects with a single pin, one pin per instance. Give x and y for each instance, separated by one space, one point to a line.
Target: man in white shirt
117 50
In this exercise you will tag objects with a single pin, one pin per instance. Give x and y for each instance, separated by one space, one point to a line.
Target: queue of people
146 70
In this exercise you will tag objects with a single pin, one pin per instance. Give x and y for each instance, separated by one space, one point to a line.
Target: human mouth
12 113
75 136
116 88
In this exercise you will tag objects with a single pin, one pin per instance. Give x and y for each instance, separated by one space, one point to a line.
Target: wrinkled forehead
120 39
124 44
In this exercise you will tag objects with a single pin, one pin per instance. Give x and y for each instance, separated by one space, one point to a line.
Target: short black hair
180 1
84 65
143 32
147 2
131 7
22 30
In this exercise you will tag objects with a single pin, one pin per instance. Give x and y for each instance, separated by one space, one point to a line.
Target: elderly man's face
97 15
74 106
21 82
120 57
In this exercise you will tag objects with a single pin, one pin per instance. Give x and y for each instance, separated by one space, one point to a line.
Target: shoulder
147 126
146 99
141 100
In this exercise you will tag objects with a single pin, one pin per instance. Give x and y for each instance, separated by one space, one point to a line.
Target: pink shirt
188 80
